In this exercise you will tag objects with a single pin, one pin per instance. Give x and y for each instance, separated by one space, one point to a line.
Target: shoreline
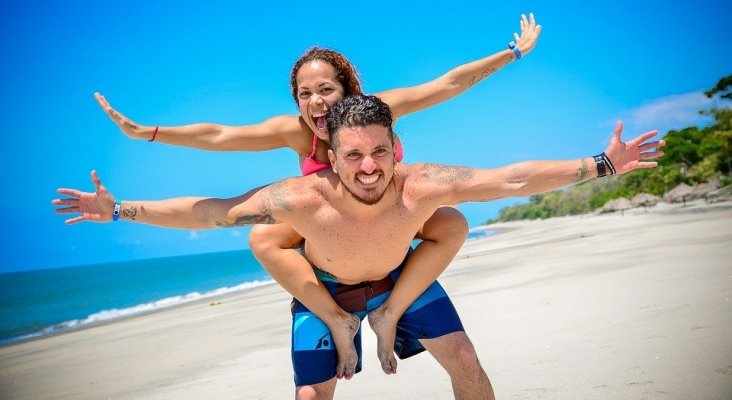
218 298
591 306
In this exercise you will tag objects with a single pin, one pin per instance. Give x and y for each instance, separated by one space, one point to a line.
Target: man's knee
264 239
463 348
260 240
447 222
463 358
319 391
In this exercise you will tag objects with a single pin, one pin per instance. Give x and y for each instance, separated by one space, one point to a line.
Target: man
358 221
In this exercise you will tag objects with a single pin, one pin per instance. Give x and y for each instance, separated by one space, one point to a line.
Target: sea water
43 302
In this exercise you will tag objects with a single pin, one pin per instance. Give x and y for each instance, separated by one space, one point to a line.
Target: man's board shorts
314 356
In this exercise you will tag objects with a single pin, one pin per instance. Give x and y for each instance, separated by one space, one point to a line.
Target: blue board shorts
314 356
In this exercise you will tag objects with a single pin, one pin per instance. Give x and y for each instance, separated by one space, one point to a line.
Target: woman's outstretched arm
456 81
273 133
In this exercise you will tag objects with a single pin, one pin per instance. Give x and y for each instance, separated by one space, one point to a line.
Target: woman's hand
126 125
530 32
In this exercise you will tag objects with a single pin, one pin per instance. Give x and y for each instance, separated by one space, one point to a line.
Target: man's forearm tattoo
129 213
444 175
582 172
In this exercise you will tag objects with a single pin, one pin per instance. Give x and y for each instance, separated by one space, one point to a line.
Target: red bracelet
155 132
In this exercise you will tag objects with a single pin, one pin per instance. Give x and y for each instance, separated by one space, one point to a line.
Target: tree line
692 155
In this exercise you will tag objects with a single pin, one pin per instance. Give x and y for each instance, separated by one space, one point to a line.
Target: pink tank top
310 165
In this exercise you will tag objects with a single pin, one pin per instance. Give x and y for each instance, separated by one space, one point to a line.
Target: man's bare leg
273 245
442 236
319 391
456 354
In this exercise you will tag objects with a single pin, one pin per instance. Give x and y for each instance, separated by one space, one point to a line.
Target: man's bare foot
342 333
385 330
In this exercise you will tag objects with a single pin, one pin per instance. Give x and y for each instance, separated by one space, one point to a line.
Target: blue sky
171 63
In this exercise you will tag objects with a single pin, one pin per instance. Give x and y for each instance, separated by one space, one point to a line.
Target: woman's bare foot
385 329
342 333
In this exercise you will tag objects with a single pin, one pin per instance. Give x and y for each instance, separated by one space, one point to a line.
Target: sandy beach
633 306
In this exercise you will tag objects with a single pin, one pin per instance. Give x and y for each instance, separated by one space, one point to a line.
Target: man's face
364 161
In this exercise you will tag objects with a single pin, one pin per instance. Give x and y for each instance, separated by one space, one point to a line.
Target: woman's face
317 90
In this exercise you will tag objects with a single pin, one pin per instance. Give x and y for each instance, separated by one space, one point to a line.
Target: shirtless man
358 221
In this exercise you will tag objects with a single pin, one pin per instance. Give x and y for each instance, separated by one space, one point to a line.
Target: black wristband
600 165
608 163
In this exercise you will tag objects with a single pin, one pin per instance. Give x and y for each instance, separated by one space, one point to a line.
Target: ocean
44 302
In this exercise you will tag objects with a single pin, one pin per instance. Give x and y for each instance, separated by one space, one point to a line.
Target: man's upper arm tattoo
445 175
275 195
278 196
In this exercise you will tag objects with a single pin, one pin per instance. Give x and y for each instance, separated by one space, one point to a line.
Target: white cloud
665 113
235 233
193 235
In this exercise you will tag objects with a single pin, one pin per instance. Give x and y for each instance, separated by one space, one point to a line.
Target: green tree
723 87
692 155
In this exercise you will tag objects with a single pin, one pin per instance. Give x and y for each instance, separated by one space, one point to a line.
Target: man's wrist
116 211
603 165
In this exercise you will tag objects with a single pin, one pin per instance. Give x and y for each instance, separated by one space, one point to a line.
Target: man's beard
368 202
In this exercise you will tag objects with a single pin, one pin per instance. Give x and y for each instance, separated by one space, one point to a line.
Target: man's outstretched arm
532 177
254 207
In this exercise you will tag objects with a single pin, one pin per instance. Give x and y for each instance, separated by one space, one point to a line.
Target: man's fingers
524 22
532 21
643 137
67 210
65 202
647 164
618 131
516 37
98 187
69 192
651 145
78 219
651 154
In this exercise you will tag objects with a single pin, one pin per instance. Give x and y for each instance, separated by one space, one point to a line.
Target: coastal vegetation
693 155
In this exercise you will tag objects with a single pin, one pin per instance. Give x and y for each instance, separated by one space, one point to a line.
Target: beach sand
634 306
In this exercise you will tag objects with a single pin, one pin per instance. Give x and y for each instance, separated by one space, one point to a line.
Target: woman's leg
442 236
274 247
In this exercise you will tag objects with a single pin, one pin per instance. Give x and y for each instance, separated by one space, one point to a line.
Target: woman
319 79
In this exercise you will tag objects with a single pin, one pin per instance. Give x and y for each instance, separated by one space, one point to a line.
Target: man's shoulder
305 191
431 174
432 182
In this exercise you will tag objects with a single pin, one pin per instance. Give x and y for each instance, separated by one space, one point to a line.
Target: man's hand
530 32
628 156
94 207
126 125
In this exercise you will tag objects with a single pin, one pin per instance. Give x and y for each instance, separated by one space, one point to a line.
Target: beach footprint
724 371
